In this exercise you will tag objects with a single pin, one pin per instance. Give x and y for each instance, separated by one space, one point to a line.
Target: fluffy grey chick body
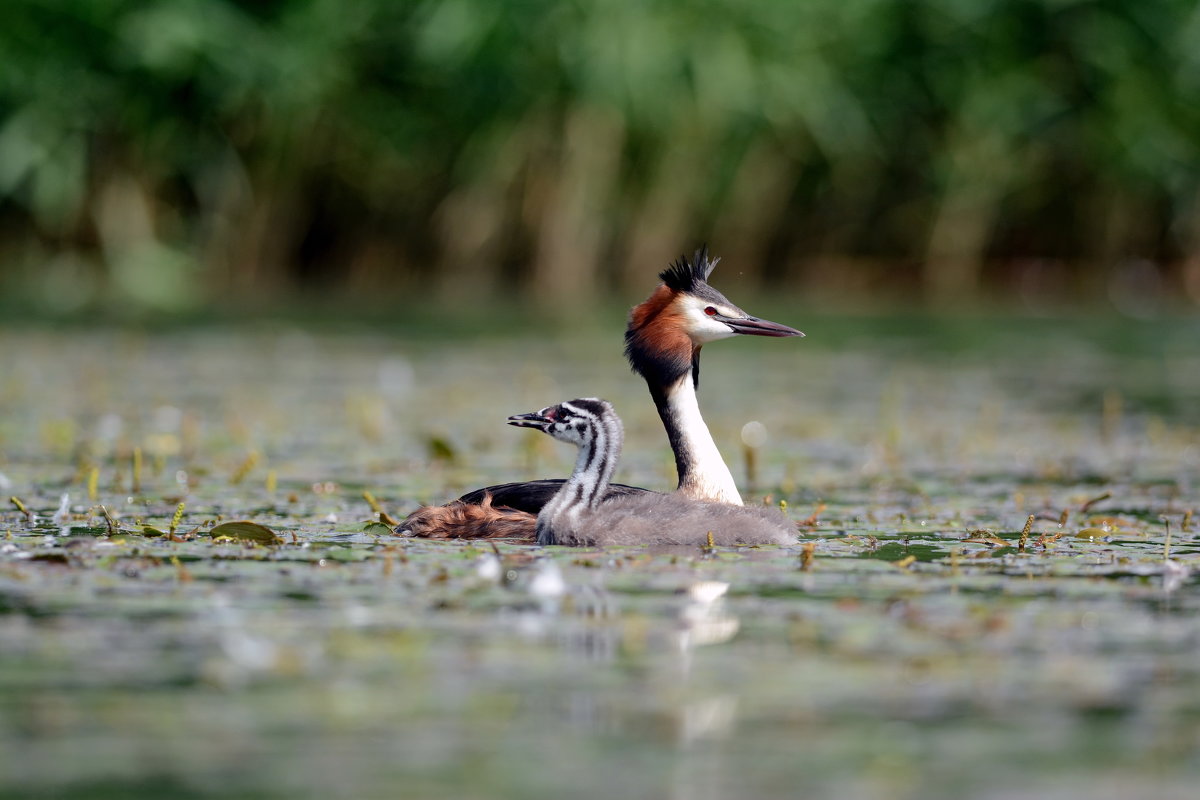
581 514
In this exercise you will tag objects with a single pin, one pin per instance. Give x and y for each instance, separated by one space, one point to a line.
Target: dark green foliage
177 152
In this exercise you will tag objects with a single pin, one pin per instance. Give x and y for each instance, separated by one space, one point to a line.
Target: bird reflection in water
596 629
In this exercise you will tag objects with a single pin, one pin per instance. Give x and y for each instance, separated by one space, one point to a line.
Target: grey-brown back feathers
672 519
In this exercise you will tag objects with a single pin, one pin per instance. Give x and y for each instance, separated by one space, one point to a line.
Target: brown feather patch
651 307
656 341
459 520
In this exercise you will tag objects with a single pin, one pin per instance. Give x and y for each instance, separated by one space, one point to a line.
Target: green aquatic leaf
246 531
1092 533
377 529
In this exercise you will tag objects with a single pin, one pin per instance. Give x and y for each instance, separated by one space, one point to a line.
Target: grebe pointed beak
531 420
753 326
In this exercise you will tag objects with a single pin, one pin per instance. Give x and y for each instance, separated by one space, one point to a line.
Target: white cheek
701 327
706 329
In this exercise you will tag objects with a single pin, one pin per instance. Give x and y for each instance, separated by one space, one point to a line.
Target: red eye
712 312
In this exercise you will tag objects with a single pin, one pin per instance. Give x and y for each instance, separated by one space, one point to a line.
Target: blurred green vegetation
195 153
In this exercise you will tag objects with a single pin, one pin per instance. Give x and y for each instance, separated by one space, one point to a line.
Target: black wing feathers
532 495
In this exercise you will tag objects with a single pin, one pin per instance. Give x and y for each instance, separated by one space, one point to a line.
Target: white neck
588 484
702 472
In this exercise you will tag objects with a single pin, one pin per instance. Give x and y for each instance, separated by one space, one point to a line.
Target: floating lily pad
246 531
377 529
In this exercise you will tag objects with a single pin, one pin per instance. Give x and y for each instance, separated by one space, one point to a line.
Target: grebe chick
662 343
583 513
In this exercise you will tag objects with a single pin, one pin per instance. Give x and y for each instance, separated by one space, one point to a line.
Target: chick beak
533 419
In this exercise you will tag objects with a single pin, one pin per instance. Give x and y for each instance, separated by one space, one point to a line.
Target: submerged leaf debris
980 600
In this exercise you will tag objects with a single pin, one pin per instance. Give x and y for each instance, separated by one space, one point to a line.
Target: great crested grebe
583 513
662 343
